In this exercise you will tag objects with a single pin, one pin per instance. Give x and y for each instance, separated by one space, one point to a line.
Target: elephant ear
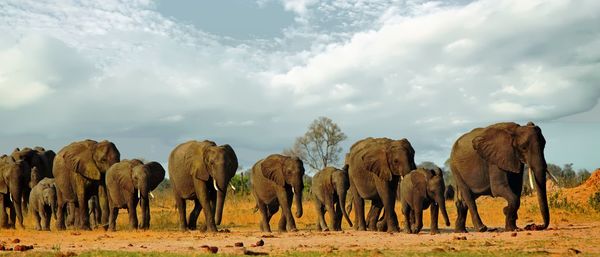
195 162
373 163
86 167
231 158
496 146
156 174
272 169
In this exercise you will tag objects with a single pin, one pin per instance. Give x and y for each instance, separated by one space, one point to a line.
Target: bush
558 201
594 201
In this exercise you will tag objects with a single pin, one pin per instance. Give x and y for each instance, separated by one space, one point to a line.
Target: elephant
128 182
40 161
449 193
200 171
329 187
420 189
276 181
375 166
79 171
12 182
42 201
490 161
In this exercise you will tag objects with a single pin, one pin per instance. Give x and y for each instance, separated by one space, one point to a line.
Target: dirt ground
559 240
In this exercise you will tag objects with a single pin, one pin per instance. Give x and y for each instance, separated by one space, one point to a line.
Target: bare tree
319 146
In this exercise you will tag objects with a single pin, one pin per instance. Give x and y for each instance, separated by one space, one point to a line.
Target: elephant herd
88 178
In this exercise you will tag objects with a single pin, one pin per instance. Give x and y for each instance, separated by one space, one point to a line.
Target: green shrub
558 201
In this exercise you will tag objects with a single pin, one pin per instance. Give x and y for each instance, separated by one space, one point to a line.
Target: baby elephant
330 186
42 202
128 182
420 188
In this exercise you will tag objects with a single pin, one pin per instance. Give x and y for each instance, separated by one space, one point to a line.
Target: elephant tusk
139 194
552 177
151 195
531 178
10 197
232 187
293 191
215 185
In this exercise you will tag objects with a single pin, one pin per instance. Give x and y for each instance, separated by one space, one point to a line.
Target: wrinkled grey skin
128 182
375 166
276 181
490 161
200 171
42 202
12 182
79 170
420 189
329 187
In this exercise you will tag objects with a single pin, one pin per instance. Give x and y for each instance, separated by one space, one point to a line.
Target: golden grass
239 215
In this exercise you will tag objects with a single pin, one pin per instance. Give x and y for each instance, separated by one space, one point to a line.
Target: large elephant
79 171
201 171
42 202
12 183
420 189
375 166
128 182
490 161
275 181
330 186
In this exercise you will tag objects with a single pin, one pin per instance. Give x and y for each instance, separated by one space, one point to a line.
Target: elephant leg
265 217
203 196
418 212
434 211
321 224
193 218
102 209
387 194
359 211
18 205
285 202
461 217
82 211
180 203
131 209
37 218
46 219
72 215
12 216
112 218
3 215
510 211
469 200
374 213
60 211
329 206
407 219
338 218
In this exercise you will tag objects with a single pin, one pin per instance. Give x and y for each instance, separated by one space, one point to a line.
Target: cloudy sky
149 75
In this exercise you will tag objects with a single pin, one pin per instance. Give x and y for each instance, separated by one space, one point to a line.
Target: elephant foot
434 231
293 230
482 228
460 230
325 229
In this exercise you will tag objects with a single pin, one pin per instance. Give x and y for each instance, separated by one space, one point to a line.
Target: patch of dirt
582 193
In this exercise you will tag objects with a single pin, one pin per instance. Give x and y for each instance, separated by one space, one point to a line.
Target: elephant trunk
540 181
221 194
342 204
297 190
441 202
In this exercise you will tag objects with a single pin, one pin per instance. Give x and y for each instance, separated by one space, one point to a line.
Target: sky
149 75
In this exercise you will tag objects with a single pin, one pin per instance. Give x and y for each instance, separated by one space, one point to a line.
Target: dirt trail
558 240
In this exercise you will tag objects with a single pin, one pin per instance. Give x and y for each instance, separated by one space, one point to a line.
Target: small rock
191 248
513 234
268 236
260 243
574 251
75 233
142 246
529 234
16 241
214 249
438 250
2 247
487 243
19 248
239 244
460 238
130 245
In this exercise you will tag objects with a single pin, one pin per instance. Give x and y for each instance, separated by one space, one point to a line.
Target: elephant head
436 190
286 172
49 197
146 177
509 146
390 157
219 163
341 184
105 154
